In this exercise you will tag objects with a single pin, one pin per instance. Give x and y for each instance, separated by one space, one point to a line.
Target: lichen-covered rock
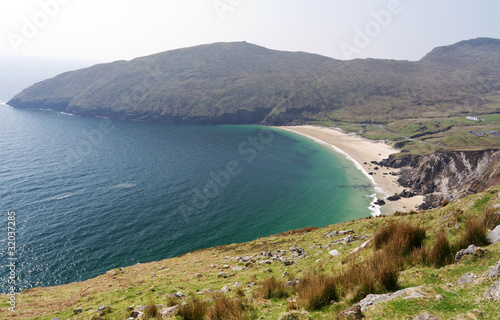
494 235
467 278
353 313
426 316
495 270
493 292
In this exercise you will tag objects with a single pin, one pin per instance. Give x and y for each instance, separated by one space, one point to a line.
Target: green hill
241 83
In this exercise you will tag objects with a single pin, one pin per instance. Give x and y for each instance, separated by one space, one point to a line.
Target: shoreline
361 152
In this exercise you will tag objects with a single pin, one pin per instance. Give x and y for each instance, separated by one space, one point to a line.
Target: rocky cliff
448 174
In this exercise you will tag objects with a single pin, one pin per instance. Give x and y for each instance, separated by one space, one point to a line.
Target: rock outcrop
448 175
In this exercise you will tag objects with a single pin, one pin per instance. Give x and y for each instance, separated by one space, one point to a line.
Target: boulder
373 299
353 313
78 310
334 253
169 312
495 270
467 278
225 289
494 235
179 295
347 240
471 250
380 202
493 292
426 316
394 197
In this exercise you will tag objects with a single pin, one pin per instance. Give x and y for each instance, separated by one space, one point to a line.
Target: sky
109 30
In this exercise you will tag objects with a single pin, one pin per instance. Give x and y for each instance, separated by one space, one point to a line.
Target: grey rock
222 275
179 295
426 316
344 232
332 234
238 268
494 235
168 312
78 310
225 289
414 295
102 308
347 240
495 270
55 319
334 253
373 299
493 292
467 278
287 263
471 250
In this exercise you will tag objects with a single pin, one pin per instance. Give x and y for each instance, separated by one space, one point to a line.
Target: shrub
316 291
225 309
194 310
440 254
272 288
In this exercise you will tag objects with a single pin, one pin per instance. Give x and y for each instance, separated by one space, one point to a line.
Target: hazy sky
107 30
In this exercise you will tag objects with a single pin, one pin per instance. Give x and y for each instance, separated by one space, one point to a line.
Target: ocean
87 195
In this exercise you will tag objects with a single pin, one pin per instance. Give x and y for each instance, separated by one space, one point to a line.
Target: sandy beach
363 151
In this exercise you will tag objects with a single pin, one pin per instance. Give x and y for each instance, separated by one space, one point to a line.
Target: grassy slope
133 285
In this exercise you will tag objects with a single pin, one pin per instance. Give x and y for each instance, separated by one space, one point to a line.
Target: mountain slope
241 83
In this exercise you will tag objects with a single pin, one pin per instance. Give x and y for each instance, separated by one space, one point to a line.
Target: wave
123 186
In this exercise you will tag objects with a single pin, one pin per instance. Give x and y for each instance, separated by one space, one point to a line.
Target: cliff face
450 174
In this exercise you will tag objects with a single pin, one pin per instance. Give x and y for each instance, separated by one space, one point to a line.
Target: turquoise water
95 194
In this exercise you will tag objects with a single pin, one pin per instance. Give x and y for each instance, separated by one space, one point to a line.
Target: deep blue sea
94 194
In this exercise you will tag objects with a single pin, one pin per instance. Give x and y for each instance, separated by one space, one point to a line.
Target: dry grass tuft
151 311
441 253
399 239
316 290
475 233
273 288
226 309
193 310
378 274
491 218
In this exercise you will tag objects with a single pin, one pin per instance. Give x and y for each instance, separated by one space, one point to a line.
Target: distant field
425 135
